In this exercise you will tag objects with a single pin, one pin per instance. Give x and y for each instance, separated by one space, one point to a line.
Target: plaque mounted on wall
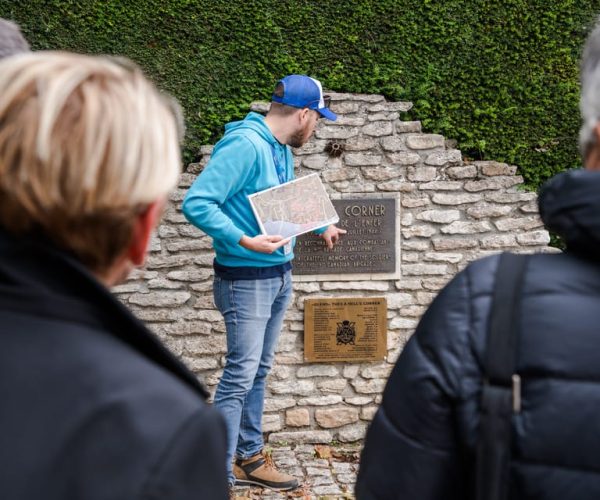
345 329
369 249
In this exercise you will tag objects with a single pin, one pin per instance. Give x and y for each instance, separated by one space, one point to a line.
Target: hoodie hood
569 205
252 121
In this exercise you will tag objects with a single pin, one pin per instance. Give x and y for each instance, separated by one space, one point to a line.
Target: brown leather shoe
259 470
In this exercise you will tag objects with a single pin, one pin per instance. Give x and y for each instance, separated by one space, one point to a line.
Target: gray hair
11 39
590 90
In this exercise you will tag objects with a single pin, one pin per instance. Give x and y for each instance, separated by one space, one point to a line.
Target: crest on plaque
346 333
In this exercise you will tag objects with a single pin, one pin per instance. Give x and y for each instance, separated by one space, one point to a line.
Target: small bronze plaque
368 247
350 329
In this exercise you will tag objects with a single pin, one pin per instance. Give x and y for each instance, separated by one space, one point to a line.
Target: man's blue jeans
253 311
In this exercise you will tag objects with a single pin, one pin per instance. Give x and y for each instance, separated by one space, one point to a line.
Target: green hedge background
499 76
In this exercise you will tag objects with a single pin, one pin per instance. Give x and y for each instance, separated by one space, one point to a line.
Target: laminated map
293 208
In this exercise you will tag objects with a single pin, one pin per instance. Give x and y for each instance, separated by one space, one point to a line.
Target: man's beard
298 139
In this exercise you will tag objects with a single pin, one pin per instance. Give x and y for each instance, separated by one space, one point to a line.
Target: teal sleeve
226 173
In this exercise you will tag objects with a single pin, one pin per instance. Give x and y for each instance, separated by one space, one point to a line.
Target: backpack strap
501 391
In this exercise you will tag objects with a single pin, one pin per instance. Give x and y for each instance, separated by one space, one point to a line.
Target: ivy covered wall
500 76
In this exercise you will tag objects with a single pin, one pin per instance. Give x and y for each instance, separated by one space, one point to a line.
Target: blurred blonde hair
86 144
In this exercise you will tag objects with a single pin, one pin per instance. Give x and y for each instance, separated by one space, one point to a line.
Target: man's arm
226 173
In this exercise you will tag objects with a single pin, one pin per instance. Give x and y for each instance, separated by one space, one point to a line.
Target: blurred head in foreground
88 154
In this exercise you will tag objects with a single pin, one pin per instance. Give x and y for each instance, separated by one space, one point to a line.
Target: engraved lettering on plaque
369 246
345 329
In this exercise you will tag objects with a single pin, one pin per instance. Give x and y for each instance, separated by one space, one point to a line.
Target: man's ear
143 227
303 115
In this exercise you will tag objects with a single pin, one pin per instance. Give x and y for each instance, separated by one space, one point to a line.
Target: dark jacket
421 443
92 406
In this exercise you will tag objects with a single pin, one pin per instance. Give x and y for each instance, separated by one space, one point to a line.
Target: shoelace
269 461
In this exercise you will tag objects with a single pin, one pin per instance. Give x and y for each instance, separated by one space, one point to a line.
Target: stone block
415 201
424 269
368 412
466 172
358 400
314 162
402 324
378 129
499 241
494 183
353 433
159 299
354 187
454 243
317 371
339 174
463 227
396 300
455 199
403 127
379 286
439 216
322 437
329 418
425 141
493 168
360 143
311 147
335 386
485 211
333 132
271 423
350 371
381 370
320 400
393 143
399 106
296 387
404 158
352 121
297 417
422 174
514 224
362 159
376 117
441 185
441 158
534 238
277 404
344 107
419 245
450 258
381 173
508 197
372 386
420 231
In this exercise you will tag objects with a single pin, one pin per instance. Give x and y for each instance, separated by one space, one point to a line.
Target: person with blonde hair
93 405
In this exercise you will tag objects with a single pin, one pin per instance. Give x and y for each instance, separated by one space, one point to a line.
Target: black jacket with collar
92 405
420 445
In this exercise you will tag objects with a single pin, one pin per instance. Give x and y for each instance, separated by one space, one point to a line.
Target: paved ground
326 472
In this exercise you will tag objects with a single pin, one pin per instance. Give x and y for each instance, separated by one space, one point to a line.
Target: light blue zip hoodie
241 164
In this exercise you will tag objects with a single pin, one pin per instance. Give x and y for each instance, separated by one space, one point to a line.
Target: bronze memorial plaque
368 247
350 329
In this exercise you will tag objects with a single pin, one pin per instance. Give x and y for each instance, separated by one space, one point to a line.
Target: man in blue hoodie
252 284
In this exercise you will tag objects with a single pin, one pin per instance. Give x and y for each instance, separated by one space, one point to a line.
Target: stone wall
451 211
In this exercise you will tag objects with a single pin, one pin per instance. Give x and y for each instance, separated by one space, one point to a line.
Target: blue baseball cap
301 91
